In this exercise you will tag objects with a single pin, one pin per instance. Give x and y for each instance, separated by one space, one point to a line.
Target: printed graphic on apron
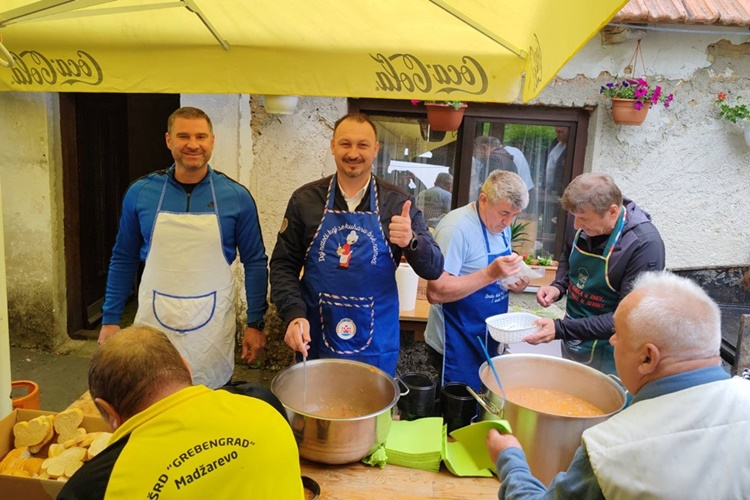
345 252
346 329
583 275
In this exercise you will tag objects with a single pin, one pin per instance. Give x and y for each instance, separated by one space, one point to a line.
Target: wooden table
362 482
416 319
359 481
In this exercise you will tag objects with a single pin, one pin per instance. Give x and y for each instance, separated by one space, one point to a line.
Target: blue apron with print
465 320
590 294
349 287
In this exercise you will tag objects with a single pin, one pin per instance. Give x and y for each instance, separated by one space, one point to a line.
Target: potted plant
444 116
735 113
518 234
631 99
544 262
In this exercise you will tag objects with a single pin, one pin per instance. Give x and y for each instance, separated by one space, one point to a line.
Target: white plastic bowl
511 327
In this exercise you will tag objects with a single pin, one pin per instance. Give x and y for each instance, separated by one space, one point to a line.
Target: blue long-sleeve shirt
239 226
579 481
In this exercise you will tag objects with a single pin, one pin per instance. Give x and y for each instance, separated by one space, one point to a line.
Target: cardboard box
26 488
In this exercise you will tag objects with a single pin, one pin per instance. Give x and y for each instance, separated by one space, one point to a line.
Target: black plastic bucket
420 401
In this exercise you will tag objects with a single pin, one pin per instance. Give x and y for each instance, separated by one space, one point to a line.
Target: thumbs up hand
400 227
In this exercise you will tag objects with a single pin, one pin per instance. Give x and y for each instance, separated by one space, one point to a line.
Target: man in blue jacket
187 223
609 241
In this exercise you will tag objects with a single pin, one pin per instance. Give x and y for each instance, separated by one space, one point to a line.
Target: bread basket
511 327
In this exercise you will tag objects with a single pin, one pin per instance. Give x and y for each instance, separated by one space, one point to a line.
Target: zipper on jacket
187 209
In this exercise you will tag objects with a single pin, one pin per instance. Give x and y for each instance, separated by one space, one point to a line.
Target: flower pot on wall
624 112
443 117
280 104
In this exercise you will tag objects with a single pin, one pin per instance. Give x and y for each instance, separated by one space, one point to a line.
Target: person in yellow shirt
175 440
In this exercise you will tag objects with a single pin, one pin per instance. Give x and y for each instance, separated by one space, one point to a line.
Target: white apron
187 291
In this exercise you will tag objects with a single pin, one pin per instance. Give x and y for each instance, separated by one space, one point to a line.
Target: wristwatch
258 325
414 242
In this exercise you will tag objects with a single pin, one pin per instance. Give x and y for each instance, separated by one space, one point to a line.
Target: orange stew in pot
552 401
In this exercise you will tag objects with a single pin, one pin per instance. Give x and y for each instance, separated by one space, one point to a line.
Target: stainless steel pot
549 441
363 393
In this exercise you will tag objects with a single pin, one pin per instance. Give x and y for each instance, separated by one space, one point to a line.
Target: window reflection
538 154
418 160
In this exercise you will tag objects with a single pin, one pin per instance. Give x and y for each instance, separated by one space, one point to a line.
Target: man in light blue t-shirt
476 242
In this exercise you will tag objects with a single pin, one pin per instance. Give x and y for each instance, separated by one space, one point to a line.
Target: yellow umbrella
468 50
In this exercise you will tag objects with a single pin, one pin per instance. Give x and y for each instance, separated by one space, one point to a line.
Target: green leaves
733 113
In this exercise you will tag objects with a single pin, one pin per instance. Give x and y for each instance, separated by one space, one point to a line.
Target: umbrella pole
6 402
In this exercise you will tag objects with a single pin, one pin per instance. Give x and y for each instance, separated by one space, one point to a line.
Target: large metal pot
549 441
345 412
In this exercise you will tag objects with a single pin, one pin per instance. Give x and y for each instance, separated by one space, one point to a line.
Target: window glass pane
538 154
419 163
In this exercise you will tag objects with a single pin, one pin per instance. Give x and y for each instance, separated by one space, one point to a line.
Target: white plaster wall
289 151
31 171
685 165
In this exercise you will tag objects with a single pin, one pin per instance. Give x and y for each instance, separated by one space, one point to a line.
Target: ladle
304 370
492 366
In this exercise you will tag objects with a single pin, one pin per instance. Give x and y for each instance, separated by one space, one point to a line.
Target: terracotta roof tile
721 12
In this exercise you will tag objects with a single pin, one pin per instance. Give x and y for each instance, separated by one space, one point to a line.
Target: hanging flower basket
444 117
624 112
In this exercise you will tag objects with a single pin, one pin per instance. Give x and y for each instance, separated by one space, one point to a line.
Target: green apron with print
591 294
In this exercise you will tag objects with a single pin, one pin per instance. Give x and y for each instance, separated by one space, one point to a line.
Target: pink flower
722 96
655 96
638 105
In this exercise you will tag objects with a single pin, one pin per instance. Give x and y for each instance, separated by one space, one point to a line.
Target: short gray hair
443 179
591 191
504 185
676 315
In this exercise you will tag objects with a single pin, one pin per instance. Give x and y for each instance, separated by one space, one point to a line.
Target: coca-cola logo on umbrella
34 68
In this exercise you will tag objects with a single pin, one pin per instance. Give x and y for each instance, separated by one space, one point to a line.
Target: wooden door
109 140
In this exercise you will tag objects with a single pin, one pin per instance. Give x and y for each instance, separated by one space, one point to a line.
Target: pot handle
400 383
619 382
488 406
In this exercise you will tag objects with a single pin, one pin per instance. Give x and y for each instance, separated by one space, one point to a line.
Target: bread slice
32 465
67 460
67 423
47 439
71 467
32 432
85 440
15 455
99 444
55 449
77 436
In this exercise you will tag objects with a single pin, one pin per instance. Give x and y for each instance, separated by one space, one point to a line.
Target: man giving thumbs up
335 311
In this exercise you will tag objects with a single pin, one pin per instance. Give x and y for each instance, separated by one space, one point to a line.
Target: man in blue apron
346 234
476 242
609 241
186 224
